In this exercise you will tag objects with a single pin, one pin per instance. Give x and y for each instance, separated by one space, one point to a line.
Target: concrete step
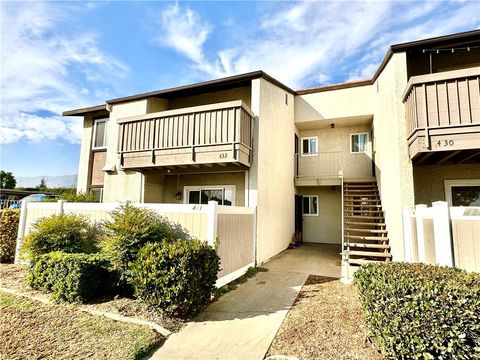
371 231
379 217
370 253
360 262
363 206
364 223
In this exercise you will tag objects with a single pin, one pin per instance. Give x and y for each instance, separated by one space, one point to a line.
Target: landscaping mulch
325 322
33 330
14 277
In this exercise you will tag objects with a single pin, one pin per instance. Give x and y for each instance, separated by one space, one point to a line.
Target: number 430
445 143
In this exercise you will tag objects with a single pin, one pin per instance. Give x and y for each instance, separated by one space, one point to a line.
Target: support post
212 223
254 236
407 235
441 231
420 211
60 207
21 230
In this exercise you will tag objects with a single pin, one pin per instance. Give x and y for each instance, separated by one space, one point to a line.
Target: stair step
367 238
367 191
362 261
364 211
363 200
348 195
370 253
368 246
364 206
355 185
365 217
371 231
364 223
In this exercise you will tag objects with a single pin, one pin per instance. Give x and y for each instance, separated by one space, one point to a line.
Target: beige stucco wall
85 153
327 226
335 104
122 185
274 170
393 167
234 178
430 180
357 165
241 93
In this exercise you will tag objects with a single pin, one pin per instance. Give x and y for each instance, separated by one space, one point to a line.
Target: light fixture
179 195
332 125
438 51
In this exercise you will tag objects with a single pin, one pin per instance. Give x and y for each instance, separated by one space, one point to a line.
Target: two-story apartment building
336 162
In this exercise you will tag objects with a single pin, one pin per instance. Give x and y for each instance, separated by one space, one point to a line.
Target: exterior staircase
365 234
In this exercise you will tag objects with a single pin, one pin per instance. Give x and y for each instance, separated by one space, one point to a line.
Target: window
309 146
224 195
98 193
463 192
359 143
310 205
99 133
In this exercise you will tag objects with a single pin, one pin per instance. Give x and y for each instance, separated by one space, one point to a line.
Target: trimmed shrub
418 311
71 277
9 219
131 228
66 233
72 196
176 277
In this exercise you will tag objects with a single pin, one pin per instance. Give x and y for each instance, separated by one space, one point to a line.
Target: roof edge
85 110
338 86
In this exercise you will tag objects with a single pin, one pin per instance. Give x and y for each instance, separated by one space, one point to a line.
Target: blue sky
63 55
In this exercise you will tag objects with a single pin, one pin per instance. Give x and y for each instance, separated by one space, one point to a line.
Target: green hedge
71 277
66 233
177 277
418 311
8 234
131 228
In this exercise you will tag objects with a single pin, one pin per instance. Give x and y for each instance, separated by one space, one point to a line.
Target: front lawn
33 330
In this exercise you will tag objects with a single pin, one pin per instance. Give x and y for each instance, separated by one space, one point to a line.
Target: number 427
445 143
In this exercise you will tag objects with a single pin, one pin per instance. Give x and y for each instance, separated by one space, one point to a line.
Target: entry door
298 213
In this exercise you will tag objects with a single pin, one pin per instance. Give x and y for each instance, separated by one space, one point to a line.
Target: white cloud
45 70
304 42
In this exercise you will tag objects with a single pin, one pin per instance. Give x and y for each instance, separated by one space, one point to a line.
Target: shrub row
418 311
177 277
71 277
8 234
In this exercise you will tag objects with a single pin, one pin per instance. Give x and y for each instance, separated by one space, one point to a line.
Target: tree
42 185
7 180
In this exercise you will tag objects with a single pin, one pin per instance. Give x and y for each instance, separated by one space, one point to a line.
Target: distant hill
52 181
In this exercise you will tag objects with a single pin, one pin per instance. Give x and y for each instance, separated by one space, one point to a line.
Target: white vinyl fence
234 226
443 235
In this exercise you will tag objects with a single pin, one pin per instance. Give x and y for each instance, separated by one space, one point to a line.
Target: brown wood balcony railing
443 111
210 134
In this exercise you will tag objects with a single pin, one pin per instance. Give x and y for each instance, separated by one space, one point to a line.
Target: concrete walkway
242 324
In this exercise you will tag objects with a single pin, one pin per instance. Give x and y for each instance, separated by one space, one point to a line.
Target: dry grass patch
325 322
14 277
32 330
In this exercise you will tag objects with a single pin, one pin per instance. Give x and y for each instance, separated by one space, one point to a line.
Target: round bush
8 233
132 227
176 277
66 233
419 311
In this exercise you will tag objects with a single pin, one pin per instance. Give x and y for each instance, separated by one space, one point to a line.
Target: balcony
201 136
443 115
323 168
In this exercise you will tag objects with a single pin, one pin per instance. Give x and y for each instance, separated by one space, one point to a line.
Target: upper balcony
211 135
443 115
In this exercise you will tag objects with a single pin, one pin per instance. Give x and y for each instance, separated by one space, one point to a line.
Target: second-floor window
359 143
309 146
99 134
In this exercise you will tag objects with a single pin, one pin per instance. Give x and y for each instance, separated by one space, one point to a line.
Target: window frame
187 189
101 192
318 205
301 145
448 184
367 151
94 124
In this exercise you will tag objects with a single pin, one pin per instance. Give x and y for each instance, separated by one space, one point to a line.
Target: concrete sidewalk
242 323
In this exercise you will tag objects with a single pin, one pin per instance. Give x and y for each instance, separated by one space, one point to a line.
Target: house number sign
223 155
445 143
